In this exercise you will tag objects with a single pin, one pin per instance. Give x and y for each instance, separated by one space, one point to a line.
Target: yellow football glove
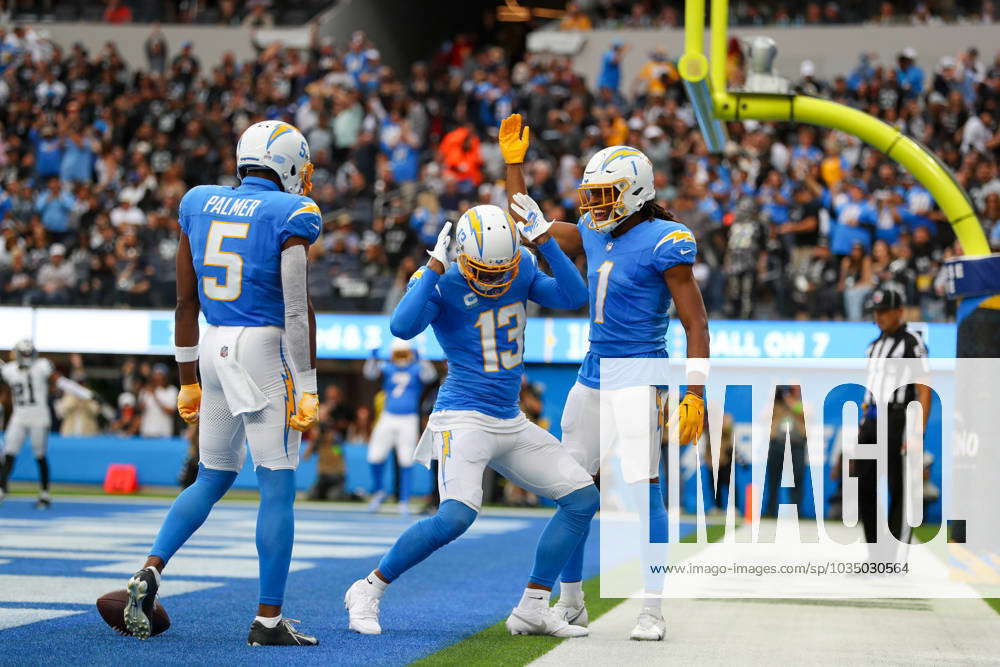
189 402
513 139
691 418
307 414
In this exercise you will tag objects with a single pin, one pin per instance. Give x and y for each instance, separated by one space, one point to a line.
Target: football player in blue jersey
241 261
477 308
638 260
404 378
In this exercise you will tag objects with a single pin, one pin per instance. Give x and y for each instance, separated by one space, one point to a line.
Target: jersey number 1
488 322
232 262
604 273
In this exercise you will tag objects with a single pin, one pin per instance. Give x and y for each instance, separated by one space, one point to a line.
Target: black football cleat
283 634
141 590
44 501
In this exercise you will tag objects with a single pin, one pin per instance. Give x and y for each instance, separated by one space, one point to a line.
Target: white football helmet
25 353
279 147
488 248
400 352
616 183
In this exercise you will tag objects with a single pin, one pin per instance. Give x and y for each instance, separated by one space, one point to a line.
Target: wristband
307 381
696 370
186 354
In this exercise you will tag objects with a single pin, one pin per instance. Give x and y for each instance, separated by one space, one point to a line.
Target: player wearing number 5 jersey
638 261
242 261
404 378
477 310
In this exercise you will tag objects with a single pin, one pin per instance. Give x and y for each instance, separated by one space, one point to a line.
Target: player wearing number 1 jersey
638 261
477 310
241 261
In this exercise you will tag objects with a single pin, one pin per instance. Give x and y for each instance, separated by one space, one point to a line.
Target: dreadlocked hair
651 210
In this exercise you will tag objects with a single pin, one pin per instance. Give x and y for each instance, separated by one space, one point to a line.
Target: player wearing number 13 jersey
477 310
638 261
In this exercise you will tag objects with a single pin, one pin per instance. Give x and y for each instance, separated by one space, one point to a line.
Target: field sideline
53 565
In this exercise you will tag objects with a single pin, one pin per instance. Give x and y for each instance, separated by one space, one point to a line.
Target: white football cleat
542 621
404 508
362 608
376 502
650 628
572 614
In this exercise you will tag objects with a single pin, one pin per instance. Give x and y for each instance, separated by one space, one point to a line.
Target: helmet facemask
603 201
490 280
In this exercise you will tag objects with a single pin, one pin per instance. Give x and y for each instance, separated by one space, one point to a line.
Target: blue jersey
403 386
236 236
483 337
629 298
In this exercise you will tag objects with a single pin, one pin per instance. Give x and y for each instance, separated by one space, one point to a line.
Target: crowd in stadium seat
794 222
247 13
664 14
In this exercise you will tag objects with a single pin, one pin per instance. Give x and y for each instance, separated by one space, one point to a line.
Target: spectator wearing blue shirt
909 76
402 147
356 60
863 72
917 211
611 67
78 158
856 219
774 196
806 150
55 208
48 152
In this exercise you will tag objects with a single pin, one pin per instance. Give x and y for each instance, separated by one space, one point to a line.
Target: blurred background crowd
791 222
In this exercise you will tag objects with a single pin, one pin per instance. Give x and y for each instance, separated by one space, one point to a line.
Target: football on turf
112 608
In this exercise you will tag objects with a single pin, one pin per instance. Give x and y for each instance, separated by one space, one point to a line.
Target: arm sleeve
372 368
565 287
417 308
673 248
293 289
68 386
428 373
303 220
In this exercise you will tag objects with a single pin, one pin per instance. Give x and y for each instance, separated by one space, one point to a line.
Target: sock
653 604
652 534
571 591
563 533
43 473
404 484
268 621
425 537
275 531
377 469
534 597
573 570
190 510
377 585
8 465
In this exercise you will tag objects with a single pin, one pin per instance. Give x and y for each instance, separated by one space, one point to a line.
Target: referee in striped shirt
895 342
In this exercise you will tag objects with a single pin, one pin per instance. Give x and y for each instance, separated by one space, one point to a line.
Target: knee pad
452 519
583 503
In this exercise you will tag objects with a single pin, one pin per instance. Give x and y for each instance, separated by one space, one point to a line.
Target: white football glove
534 224
440 251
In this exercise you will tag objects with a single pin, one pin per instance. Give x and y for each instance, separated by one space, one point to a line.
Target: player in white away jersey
29 379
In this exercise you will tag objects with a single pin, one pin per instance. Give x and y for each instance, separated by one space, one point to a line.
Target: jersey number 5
488 322
232 262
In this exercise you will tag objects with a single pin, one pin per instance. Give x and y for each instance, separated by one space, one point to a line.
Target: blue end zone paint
464 588
158 462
